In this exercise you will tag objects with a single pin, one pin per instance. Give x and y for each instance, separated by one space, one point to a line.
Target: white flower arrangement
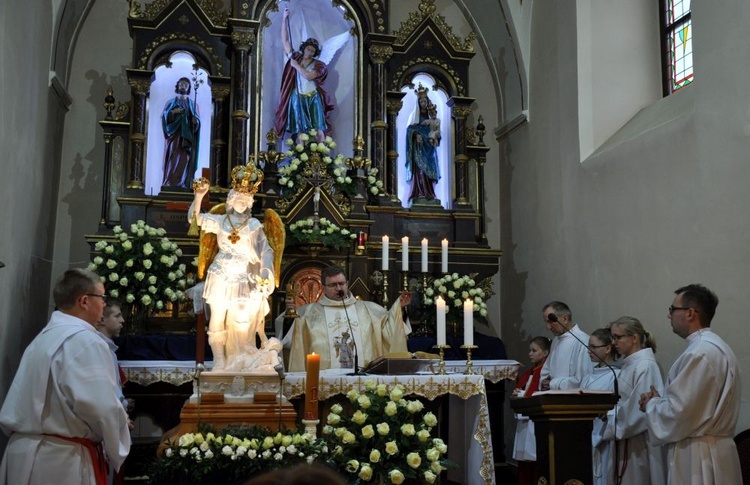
328 233
387 438
140 267
232 455
297 156
455 290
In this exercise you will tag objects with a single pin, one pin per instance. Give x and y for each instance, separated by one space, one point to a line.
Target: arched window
677 44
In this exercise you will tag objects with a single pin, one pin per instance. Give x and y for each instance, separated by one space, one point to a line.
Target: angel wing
276 235
333 46
209 245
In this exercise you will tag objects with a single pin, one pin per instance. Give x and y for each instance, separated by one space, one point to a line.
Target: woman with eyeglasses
637 462
602 353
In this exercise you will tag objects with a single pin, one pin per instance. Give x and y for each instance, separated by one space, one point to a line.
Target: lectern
562 425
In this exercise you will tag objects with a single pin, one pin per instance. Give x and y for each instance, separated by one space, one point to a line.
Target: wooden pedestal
563 424
234 399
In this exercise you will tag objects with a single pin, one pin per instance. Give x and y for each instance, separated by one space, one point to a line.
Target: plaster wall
660 204
29 115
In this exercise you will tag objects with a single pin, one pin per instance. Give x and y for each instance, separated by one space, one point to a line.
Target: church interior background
567 174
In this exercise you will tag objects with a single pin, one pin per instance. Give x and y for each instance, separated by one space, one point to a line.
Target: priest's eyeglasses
673 308
336 285
103 297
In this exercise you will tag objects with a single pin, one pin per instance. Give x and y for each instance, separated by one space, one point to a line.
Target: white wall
661 205
29 114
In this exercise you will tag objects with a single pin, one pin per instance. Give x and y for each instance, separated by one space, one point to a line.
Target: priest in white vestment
326 327
697 415
62 407
568 360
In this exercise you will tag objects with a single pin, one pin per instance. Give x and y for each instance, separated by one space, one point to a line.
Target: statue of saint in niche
181 124
304 104
422 140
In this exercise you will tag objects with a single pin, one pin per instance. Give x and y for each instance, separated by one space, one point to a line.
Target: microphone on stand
553 318
279 368
351 331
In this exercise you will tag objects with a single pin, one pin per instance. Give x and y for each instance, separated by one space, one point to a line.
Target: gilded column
140 84
393 107
243 39
460 110
379 54
219 169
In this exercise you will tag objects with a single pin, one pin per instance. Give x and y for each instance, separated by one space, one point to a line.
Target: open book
571 391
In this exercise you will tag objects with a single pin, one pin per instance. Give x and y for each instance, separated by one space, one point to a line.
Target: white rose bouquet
299 155
232 455
386 437
455 290
328 233
140 267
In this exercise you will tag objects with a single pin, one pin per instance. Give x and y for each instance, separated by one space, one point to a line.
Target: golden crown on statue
246 178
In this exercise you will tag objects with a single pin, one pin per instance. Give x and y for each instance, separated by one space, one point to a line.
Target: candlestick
311 386
385 299
384 266
404 281
441 364
311 427
469 364
405 253
440 313
424 255
444 256
469 322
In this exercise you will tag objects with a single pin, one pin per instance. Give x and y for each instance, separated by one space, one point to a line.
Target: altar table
469 443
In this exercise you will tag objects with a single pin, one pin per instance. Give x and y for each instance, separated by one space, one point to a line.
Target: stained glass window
677 38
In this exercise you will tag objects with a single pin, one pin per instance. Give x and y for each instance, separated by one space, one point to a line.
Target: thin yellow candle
311 386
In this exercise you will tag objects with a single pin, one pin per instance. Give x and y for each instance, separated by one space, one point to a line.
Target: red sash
97 456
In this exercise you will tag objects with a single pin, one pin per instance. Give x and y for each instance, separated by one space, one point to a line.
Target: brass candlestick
469 364
441 364
425 281
404 281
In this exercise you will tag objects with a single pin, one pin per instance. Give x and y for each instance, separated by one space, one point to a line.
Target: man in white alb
568 360
62 412
697 416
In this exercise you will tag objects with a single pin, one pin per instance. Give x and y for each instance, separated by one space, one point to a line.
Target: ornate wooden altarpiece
225 38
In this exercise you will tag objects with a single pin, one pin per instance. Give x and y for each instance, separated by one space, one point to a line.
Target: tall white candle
444 256
384 266
424 255
469 322
440 311
405 253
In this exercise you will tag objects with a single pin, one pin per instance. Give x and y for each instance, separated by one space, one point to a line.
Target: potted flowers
141 268
386 439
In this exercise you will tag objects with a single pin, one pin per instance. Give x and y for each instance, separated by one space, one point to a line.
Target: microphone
553 318
279 368
351 331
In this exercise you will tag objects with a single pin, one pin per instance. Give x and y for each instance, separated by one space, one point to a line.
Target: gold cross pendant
233 237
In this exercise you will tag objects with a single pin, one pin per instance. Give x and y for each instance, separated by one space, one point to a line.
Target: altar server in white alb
568 360
62 412
601 378
639 462
697 415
